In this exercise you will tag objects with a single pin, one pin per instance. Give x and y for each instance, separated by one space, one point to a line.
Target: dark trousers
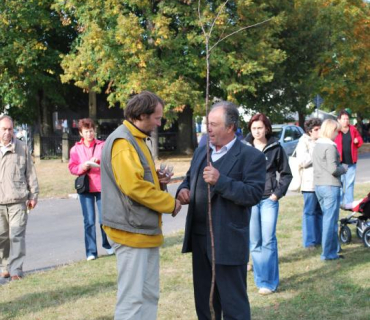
230 296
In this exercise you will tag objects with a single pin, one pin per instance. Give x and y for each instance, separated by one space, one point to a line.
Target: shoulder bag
82 181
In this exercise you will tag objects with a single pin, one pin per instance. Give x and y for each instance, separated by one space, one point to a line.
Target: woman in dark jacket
263 242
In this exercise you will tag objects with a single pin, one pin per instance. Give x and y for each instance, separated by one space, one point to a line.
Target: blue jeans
87 201
329 198
263 244
311 220
348 184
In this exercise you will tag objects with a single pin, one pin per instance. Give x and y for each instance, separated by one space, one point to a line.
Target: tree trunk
44 116
301 118
92 105
185 136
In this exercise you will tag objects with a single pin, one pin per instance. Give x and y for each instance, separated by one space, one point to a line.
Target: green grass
309 288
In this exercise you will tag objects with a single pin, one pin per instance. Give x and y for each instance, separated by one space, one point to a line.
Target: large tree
327 47
343 70
31 40
124 47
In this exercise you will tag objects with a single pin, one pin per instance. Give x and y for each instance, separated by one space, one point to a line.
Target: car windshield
276 132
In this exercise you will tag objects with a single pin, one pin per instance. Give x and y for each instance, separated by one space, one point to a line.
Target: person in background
19 191
348 141
263 241
84 159
312 214
327 171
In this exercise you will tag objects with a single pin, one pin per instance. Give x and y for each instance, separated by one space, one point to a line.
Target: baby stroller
362 222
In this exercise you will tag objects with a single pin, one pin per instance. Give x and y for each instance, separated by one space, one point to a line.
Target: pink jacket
80 154
354 146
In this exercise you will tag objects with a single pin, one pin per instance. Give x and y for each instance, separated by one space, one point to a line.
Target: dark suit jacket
239 187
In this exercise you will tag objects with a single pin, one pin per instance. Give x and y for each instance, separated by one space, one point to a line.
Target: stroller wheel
345 235
366 237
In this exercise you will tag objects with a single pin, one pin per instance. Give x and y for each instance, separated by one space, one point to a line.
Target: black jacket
276 162
239 187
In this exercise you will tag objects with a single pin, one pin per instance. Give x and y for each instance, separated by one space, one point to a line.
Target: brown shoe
16 278
5 274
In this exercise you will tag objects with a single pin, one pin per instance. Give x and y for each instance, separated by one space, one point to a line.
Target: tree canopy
307 47
327 48
31 41
125 47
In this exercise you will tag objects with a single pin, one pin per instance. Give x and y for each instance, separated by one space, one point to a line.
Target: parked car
288 136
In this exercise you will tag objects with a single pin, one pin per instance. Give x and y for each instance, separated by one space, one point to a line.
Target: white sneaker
89 258
110 251
265 291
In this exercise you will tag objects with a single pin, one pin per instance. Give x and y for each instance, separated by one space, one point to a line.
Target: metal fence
51 147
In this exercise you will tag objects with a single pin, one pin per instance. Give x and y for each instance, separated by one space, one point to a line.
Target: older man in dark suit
237 178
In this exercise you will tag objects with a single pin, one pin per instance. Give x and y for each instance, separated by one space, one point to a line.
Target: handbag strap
94 148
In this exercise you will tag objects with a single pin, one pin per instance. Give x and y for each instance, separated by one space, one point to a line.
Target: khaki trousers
13 221
138 282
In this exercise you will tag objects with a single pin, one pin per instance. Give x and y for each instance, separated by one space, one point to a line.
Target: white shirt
5 149
220 153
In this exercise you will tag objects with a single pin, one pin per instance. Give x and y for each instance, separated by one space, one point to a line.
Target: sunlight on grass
309 289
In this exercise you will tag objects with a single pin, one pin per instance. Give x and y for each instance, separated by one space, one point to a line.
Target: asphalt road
55 228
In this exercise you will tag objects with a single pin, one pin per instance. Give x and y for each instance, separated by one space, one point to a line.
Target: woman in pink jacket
85 158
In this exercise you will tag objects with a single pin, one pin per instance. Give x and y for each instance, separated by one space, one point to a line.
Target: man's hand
273 197
177 208
355 140
164 178
184 196
31 204
211 175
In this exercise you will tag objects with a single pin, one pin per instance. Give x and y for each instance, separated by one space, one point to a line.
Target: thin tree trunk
207 35
92 105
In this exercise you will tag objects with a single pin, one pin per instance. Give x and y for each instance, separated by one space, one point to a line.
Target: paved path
55 227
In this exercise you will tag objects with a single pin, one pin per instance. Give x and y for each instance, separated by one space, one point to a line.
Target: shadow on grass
35 302
329 291
328 270
173 240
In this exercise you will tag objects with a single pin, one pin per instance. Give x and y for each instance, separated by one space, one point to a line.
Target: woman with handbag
327 171
84 160
263 241
312 214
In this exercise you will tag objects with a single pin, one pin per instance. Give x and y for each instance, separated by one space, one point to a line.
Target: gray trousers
13 222
138 282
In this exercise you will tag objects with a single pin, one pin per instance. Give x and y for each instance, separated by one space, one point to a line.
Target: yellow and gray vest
118 210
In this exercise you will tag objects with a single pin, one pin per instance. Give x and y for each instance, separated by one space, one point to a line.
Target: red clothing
80 154
354 146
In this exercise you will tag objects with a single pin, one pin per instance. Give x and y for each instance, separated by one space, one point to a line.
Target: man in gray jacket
18 192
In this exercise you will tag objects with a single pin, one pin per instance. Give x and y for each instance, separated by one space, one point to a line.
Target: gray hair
231 113
4 116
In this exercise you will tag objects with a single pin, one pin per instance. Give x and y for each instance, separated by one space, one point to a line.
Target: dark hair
85 123
265 120
231 113
143 103
312 123
343 112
